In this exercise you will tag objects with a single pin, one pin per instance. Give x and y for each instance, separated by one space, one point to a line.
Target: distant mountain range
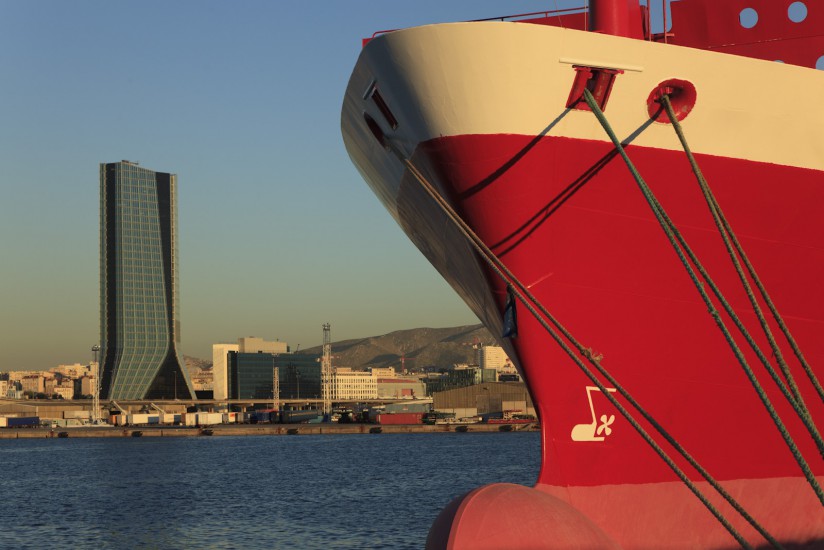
419 348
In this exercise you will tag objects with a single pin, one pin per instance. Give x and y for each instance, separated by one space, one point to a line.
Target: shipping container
168 418
3 422
189 419
138 419
208 419
400 418
23 421
409 407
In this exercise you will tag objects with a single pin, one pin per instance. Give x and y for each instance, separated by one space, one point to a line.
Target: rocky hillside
421 347
194 364
200 371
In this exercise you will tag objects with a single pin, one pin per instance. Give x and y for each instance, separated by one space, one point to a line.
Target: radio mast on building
326 370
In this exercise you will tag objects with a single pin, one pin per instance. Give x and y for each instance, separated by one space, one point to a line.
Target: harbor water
317 491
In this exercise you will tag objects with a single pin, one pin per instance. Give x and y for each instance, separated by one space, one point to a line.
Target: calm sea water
301 492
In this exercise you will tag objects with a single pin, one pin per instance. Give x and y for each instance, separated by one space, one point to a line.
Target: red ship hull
543 188
591 250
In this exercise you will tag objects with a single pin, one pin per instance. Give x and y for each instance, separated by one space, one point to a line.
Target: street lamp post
275 389
96 393
297 377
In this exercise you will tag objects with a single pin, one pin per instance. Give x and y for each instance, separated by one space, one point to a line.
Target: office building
494 357
220 358
139 298
220 369
354 385
251 375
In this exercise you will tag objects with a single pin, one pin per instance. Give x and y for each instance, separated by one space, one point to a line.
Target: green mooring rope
797 404
668 228
730 241
527 299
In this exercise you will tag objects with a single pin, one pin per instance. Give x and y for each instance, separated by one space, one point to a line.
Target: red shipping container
399 418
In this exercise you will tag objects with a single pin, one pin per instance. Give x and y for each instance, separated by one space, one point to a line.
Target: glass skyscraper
139 300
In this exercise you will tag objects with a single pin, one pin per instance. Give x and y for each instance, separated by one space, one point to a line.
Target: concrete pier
257 429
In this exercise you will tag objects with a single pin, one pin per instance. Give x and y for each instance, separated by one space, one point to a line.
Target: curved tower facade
139 300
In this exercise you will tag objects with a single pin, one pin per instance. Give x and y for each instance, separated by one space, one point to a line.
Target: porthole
779 61
797 12
748 18
820 63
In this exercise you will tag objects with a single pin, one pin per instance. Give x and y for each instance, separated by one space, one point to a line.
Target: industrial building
139 297
400 388
490 399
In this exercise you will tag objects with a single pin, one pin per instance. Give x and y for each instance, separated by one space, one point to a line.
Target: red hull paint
668 515
504 515
467 104
653 516
565 216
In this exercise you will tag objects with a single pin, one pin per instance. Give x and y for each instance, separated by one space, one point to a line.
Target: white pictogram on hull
593 431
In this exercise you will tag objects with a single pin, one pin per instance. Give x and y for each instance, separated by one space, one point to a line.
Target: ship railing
535 15
516 17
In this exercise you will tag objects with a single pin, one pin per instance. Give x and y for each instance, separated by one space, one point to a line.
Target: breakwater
256 430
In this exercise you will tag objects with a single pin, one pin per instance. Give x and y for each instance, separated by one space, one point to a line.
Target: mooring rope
531 303
730 241
668 227
798 406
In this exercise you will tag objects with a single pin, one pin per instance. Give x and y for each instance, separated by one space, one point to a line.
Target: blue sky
278 233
